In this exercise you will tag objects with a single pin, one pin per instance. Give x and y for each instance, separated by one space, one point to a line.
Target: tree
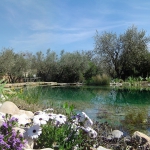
13 65
124 55
134 58
107 47
46 65
72 66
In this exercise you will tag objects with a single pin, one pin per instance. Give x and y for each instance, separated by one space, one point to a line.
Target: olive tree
72 66
12 65
107 47
45 65
124 55
134 58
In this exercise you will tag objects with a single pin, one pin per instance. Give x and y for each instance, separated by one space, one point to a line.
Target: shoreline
24 84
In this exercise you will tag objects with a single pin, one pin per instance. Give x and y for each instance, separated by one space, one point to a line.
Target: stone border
10 85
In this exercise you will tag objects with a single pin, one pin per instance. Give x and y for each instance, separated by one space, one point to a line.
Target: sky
69 25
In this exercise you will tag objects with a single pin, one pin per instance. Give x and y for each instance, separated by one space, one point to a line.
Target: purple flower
1 136
5 125
9 138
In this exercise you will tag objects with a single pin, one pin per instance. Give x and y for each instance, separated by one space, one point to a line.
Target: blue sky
70 25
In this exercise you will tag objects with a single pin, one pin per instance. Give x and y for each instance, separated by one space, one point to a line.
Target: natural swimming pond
102 103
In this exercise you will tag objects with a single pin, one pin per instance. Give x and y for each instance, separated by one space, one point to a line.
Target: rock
28 113
115 134
102 148
23 119
142 139
9 108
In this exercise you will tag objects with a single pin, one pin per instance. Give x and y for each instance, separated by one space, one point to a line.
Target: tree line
118 56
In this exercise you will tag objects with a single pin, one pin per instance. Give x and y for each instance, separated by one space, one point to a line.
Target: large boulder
9 108
30 114
142 139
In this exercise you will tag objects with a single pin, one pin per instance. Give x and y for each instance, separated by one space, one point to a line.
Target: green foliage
147 79
91 71
68 109
72 67
13 65
62 137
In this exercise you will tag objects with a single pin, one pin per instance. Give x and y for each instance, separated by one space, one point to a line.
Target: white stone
9 108
28 113
115 134
102 148
22 119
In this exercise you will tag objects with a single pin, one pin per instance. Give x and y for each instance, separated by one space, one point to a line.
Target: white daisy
60 119
40 119
86 120
76 118
91 132
52 116
38 113
34 131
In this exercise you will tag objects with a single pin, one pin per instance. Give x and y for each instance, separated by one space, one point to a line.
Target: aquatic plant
135 120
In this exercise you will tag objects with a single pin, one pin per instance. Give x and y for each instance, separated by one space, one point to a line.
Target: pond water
101 103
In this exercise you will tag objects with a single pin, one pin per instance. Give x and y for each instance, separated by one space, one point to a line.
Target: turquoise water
100 103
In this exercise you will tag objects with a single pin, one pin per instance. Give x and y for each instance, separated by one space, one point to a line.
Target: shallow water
100 103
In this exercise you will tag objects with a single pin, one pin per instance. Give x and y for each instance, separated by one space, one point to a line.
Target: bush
99 80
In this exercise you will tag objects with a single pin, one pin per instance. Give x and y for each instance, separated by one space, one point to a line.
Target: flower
91 132
60 119
76 118
38 113
34 131
87 122
42 118
52 116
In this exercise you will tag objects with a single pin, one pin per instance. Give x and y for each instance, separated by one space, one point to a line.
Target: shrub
99 80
